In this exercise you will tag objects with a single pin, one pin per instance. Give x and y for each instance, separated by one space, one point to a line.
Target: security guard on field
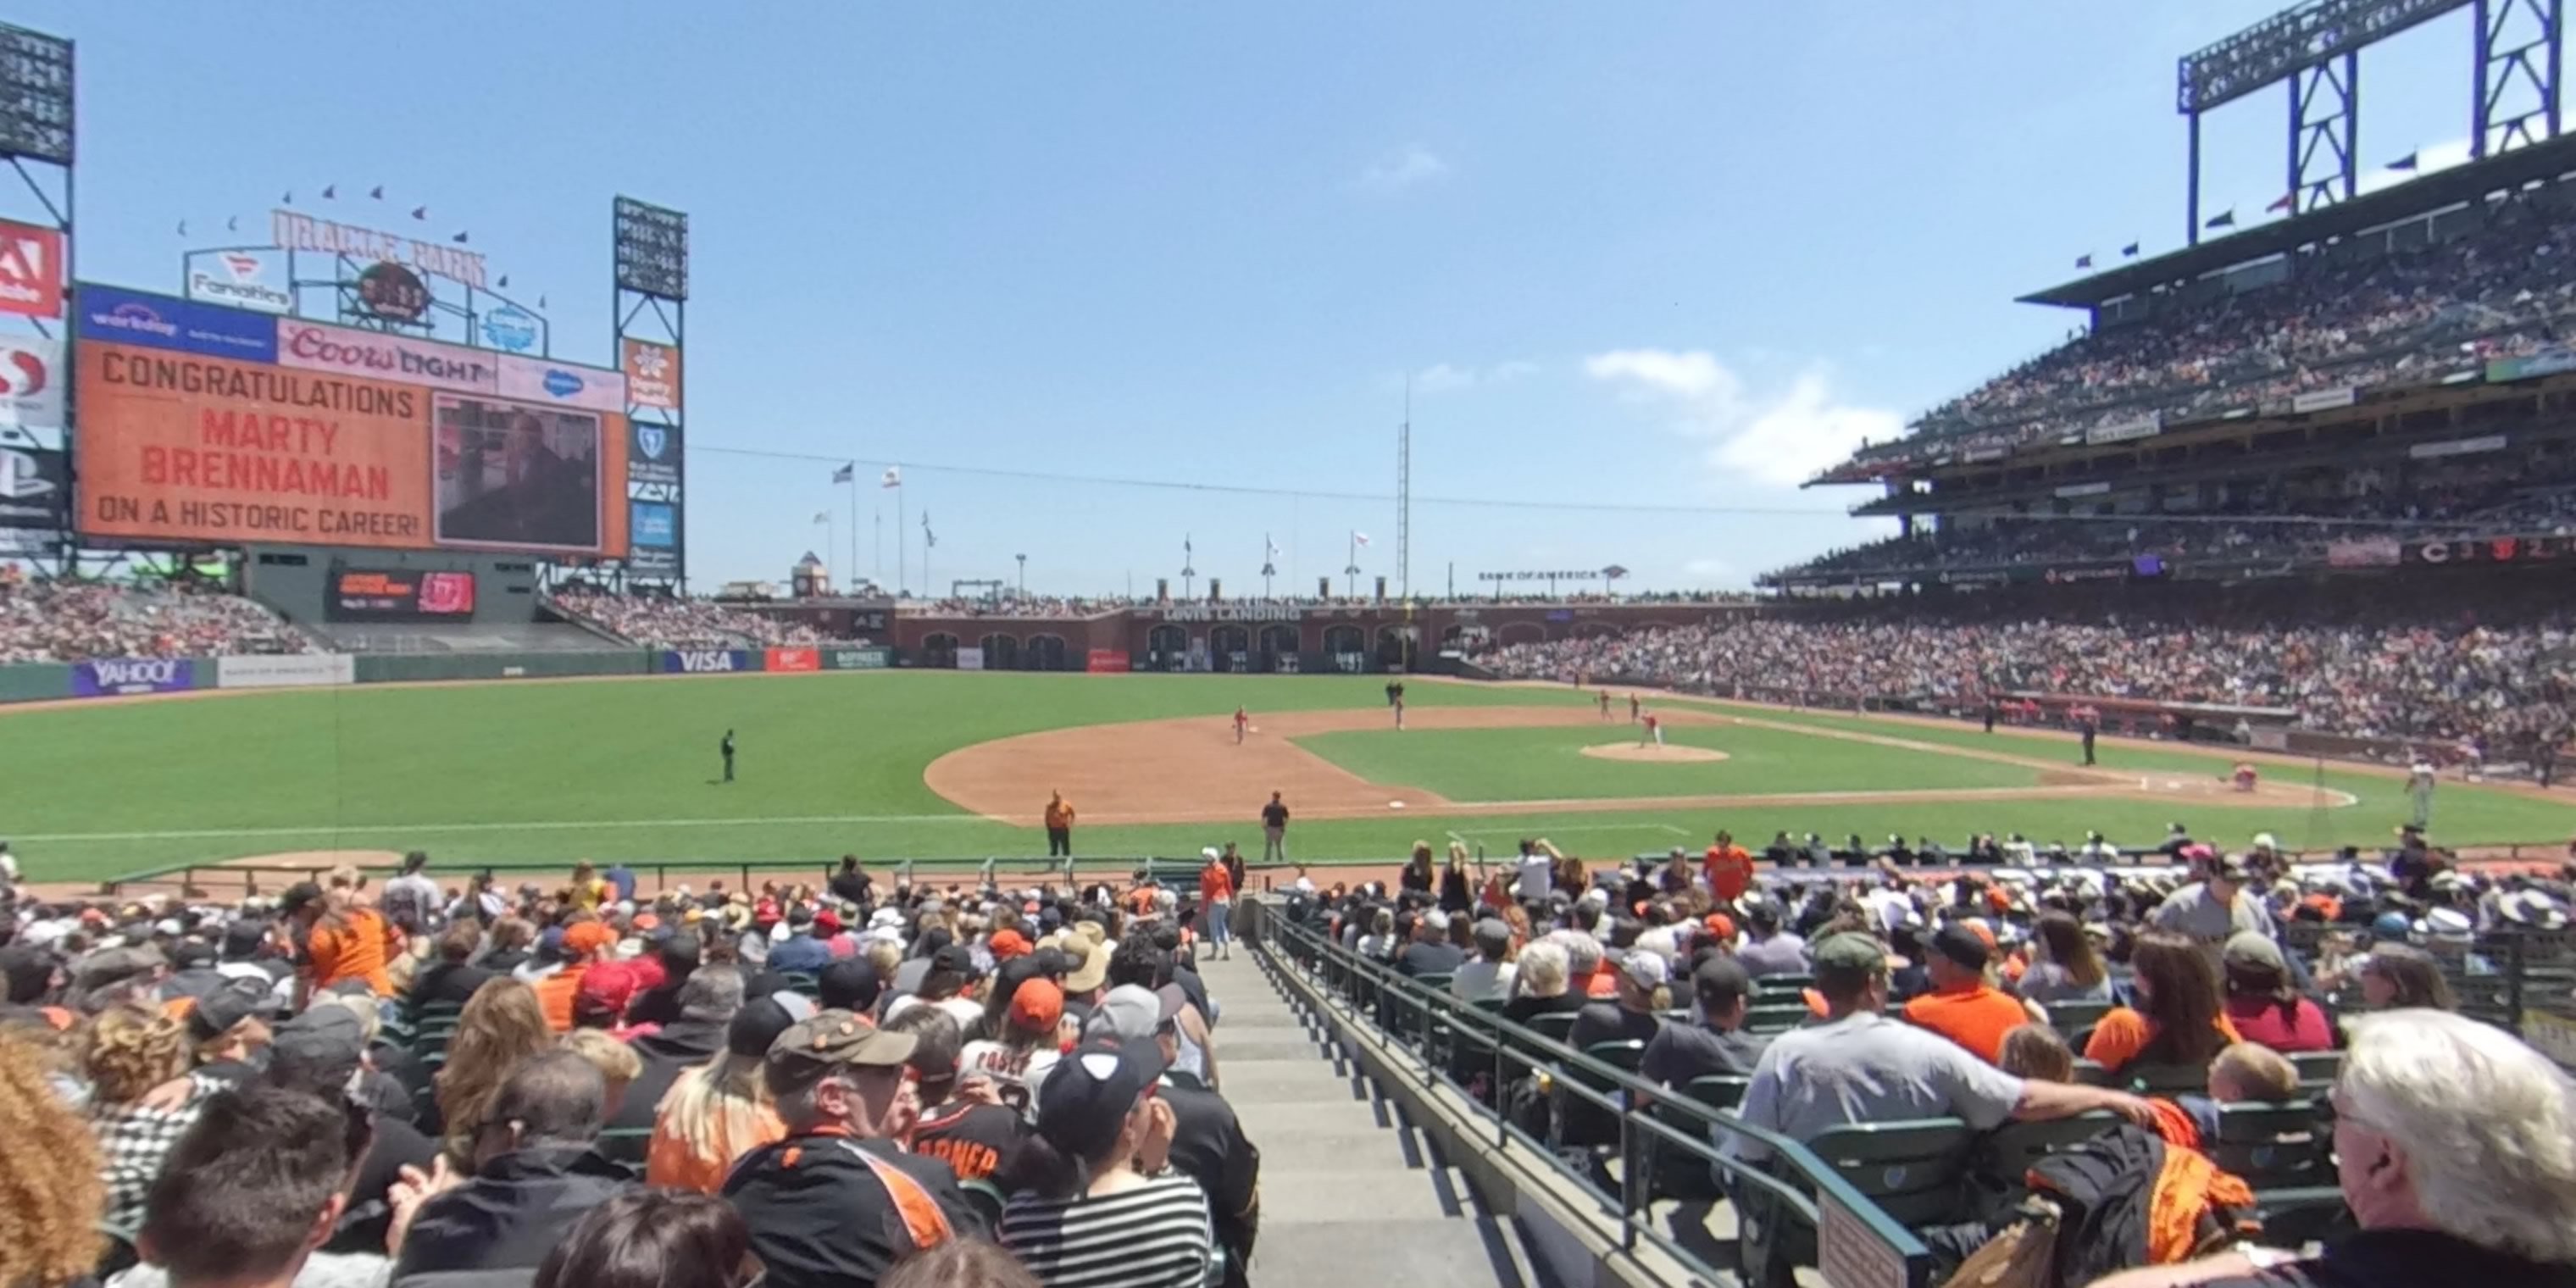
839 1201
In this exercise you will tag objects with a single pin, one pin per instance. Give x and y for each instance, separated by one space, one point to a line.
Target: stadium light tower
1024 575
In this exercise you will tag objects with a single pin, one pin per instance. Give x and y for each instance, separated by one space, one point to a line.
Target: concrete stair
1350 1194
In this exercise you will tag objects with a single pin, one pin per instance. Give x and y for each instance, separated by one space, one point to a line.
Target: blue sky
1652 255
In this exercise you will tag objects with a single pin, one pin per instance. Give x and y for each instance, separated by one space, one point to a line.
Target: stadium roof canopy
2542 161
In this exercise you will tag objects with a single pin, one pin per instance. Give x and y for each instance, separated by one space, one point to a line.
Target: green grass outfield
833 762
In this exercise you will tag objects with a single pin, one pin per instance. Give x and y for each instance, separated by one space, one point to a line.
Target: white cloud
1779 436
1449 377
1707 569
1404 168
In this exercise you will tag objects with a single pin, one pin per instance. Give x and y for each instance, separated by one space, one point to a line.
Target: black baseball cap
217 1012
850 984
297 896
955 959
1085 1100
1961 945
755 1028
1719 982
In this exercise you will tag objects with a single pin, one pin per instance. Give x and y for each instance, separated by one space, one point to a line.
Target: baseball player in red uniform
1654 732
1241 721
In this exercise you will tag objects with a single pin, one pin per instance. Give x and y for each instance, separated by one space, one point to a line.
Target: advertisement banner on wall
376 355
34 490
794 659
186 448
857 659
31 382
2457 447
2124 431
112 677
1107 661
31 270
2323 399
652 374
970 658
2365 552
263 671
2546 363
561 384
119 316
653 498
709 661
398 595
2491 550
246 279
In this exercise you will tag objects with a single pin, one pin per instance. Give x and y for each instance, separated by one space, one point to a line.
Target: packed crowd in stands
2527 492
2394 677
1802 1002
663 621
586 1082
2342 320
1093 606
72 621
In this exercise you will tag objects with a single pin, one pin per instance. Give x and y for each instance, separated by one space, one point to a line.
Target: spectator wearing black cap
850 984
1208 1143
718 1111
230 1035
251 1195
839 1200
1770 949
1962 1006
963 1123
1095 1203
535 1174
945 984
1721 994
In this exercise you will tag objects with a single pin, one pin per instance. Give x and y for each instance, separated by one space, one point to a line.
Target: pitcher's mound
1666 755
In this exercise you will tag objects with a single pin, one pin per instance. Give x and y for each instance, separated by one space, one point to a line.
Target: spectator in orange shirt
1962 1006
1730 869
343 939
585 943
1216 902
2178 1020
1059 826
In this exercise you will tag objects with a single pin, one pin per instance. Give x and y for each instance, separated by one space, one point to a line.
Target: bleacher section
412 637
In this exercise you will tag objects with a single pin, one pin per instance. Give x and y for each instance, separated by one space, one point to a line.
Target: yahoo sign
116 676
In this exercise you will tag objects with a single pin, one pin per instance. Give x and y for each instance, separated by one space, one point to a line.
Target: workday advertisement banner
117 676
869 658
709 661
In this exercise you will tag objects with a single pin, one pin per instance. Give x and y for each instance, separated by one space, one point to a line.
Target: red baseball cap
1009 944
827 922
1038 1004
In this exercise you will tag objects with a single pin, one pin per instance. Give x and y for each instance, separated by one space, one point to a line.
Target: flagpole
899 580
854 526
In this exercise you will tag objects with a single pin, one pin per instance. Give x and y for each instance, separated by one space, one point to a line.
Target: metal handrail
1800 1193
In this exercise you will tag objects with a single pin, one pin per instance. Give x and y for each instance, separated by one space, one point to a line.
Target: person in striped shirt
1094 1202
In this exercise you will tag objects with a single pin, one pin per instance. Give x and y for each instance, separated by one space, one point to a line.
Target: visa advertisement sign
709 661
119 676
115 314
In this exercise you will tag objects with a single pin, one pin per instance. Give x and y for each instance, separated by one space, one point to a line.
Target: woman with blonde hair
1457 893
502 1025
51 1189
719 1111
133 1051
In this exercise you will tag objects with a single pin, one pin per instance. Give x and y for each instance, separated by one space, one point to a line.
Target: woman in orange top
719 1111
343 939
2179 1020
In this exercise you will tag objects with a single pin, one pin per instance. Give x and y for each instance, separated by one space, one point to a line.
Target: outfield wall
130 677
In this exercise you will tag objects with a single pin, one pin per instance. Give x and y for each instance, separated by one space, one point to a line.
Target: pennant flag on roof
2084 261
2406 162
2129 251
2284 203
331 192
420 212
2223 219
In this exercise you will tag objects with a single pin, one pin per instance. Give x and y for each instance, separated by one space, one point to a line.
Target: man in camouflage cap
840 1200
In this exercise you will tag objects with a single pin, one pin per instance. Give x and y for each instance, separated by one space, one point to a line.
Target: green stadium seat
2317 1071
2164 1079
2070 1017
1912 1170
2274 1147
1776 1017
2005 1155
1579 1121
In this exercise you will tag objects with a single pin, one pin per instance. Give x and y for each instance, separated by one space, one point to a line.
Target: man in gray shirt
1769 950
1859 1066
2210 912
